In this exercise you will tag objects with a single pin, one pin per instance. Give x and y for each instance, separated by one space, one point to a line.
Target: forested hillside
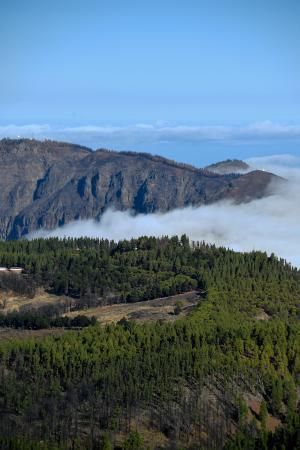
218 378
95 271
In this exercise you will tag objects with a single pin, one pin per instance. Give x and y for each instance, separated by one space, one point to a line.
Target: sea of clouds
271 224
159 132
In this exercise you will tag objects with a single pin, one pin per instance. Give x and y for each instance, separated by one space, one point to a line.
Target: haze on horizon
162 77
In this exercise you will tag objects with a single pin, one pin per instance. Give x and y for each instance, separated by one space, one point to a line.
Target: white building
16 269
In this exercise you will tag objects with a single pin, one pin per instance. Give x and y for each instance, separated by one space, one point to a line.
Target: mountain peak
229 166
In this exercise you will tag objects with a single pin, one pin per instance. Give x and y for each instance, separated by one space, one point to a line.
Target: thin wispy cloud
285 165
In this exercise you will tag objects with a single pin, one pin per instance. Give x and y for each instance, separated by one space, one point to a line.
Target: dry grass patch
151 310
13 302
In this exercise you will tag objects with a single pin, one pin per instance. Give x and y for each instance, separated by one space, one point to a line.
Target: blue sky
68 64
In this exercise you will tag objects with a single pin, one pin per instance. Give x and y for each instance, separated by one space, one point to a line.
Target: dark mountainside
48 184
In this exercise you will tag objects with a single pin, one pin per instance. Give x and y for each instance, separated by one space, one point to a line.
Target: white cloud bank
271 224
157 133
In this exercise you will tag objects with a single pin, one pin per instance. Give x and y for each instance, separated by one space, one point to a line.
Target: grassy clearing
151 310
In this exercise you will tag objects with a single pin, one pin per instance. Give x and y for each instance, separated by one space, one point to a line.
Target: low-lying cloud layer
270 224
142 134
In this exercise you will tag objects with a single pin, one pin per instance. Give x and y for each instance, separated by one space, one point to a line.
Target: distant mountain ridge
48 184
229 166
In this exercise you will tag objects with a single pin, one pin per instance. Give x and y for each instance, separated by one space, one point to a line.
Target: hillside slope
225 376
48 184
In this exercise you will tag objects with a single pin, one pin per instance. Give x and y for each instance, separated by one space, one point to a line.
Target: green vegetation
188 380
94 271
127 271
37 321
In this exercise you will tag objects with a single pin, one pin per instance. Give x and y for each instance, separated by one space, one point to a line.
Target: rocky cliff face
48 184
